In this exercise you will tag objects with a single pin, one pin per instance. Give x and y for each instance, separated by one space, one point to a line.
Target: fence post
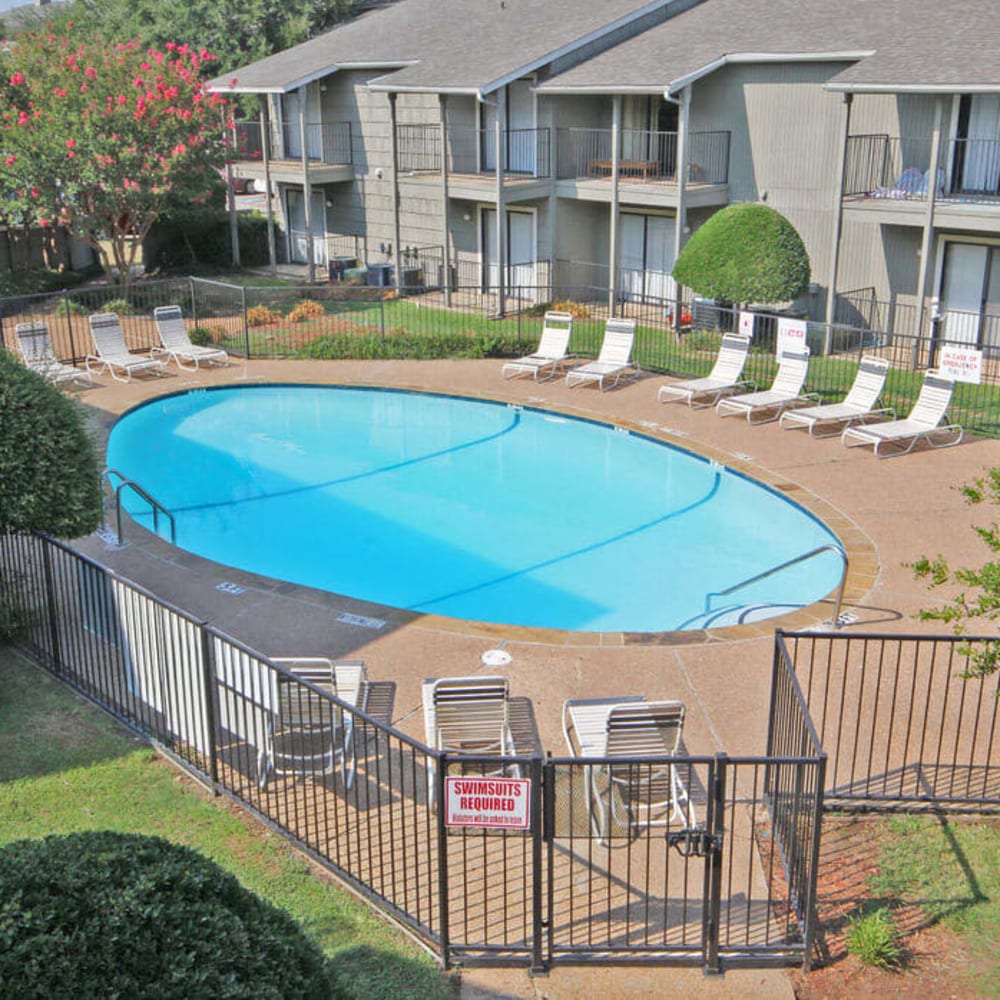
442 844
208 690
194 299
715 823
50 601
539 923
381 314
246 324
811 917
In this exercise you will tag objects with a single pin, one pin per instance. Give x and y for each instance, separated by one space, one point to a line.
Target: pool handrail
155 504
829 547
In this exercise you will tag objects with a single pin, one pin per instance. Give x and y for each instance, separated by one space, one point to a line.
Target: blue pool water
469 509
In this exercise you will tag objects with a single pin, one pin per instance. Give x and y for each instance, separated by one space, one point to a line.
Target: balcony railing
647 156
523 152
880 166
325 142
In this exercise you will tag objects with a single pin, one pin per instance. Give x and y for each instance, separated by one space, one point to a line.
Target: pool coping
862 562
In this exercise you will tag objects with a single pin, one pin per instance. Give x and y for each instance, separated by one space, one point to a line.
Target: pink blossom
70 143
10 160
35 193
43 223
90 73
17 79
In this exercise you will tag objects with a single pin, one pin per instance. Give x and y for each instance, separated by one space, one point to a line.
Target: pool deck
887 513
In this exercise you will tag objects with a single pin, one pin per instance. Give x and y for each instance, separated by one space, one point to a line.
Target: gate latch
695 842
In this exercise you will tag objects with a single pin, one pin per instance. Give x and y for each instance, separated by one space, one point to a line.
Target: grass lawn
951 870
65 766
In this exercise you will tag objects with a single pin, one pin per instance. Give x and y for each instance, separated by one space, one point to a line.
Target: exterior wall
885 258
784 149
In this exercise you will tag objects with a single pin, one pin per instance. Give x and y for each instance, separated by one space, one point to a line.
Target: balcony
328 150
647 166
890 179
472 158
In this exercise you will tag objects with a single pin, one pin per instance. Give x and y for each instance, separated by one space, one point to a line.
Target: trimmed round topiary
745 253
112 914
51 479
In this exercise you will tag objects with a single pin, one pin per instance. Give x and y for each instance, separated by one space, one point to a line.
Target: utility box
413 277
338 265
381 275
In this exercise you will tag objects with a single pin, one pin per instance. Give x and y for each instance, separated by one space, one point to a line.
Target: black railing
325 142
523 152
903 719
711 884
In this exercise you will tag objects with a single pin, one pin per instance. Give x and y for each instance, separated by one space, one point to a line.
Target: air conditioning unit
704 313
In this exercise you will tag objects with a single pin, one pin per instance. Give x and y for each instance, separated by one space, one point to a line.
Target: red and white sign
791 336
493 803
963 364
746 324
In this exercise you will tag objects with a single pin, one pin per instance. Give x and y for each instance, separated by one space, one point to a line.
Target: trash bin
338 265
380 275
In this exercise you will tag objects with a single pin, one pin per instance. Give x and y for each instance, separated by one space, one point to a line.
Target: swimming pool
465 508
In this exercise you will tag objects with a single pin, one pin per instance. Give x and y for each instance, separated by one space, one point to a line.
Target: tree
983 600
237 32
98 139
51 480
745 253
102 914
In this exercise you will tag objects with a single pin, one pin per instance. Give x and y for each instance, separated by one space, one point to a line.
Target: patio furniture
922 423
35 345
644 789
857 406
723 378
785 391
177 344
614 360
309 731
551 354
111 353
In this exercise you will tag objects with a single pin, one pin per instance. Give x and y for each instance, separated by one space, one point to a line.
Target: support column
234 228
838 222
306 184
445 206
265 143
394 168
683 161
501 246
613 251
928 232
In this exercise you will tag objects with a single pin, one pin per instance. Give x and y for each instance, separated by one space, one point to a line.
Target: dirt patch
937 962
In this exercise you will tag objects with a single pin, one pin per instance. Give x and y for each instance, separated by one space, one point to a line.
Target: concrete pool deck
887 513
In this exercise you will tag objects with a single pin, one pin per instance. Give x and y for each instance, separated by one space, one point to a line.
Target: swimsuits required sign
791 336
963 364
494 803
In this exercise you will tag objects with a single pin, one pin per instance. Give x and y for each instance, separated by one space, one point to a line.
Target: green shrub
70 307
412 346
745 253
15 614
120 306
307 309
260 316
111 914
37 281
703 340
51 479
874 938
200 336
203 239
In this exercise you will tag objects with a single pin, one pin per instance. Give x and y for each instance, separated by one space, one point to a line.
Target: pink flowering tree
98 140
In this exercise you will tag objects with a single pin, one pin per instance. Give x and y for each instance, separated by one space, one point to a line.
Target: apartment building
539 146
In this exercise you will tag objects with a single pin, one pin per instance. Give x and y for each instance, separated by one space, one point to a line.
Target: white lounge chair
613 361
722 379
177 344
467 715
785 391
551 354
857 406
35 345
308 733
922 423
632 795
111 354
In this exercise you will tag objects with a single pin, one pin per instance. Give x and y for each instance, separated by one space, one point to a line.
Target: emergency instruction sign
492 803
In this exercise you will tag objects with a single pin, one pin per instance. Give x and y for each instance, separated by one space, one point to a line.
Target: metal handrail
155 504
829 547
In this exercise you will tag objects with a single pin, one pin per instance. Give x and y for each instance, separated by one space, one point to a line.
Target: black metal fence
719 883
905 719
676 337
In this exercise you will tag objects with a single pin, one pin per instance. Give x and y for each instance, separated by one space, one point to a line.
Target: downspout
306 184
265 143
683 156
446 223
925 242
838 223
615 220
394 159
